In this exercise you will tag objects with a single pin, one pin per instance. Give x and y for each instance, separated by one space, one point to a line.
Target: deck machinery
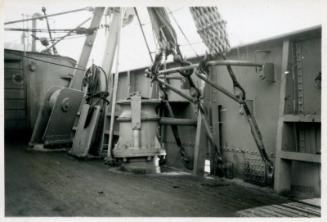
65 103
128 132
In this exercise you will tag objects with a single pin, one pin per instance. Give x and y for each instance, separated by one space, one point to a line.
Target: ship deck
56 184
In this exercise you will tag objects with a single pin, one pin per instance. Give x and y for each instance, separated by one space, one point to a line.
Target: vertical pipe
34 27
118 23
112 42
128 83
50 34
22 38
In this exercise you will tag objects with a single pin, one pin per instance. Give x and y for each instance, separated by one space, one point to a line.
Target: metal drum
138 145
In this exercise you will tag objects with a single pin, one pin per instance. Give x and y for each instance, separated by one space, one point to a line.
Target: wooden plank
10 58
15 124
269 212
301 209
9 84
13 65
14 104
315 210
301 118
8 77
15 114
292 209
13 68
253 212
11 71
286 211
305 157
14 94
198 164
313 201
177 121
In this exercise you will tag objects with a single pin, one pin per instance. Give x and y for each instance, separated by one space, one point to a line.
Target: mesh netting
211 28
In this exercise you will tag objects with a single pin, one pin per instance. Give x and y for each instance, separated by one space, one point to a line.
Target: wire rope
182 32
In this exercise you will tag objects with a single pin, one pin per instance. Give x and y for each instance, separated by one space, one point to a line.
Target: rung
308 118
177 121
297 156
116 133
233 63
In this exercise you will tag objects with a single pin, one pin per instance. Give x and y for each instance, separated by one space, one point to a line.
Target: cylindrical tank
140 141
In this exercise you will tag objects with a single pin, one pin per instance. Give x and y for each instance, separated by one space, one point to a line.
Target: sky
247 21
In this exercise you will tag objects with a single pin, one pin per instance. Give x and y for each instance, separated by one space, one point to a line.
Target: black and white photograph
162 109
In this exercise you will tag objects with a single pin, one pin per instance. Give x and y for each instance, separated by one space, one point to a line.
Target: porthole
17 79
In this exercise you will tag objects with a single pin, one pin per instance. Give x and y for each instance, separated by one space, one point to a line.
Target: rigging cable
141 27
183 33
47 16
212 30
61 38
55 52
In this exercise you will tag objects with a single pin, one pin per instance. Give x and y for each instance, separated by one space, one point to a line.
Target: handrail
212 63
